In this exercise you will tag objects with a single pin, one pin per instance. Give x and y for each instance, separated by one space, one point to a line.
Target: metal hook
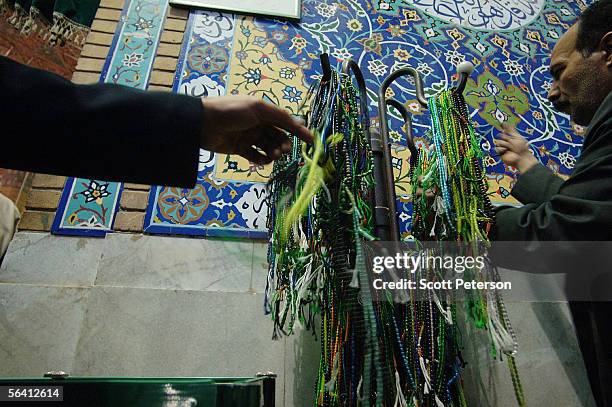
384 135
351 66
325 65
464 70
408 129
325 82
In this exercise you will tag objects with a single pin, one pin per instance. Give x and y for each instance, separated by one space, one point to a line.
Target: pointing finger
273 115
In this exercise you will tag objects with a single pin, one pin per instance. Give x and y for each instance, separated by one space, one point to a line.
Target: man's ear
606 46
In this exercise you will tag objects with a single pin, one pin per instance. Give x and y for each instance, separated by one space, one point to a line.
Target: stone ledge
104 26
108 14
165 63
169 50
172 37
139 187
176 12
94 51
90 65
173 24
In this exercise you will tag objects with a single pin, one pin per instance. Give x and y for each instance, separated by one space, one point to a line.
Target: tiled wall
46 190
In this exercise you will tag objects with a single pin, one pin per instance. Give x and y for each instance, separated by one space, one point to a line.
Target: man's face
580 84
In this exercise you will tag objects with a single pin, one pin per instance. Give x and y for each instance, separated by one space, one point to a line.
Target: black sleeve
103 131
537 185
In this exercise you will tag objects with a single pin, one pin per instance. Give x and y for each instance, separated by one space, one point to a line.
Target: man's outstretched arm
116 133
536 183
579 208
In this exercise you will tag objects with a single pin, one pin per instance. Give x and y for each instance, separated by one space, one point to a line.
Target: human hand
514 149
238 124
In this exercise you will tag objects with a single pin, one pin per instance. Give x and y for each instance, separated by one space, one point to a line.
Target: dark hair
594 23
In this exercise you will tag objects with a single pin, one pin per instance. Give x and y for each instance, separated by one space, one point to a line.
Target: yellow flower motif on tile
409 15
500 186
298 43
272 78
489 161
389 93
341 6
404 198
233 193
231 215
395 30
395 136
354 25
414 107
381 20
455 34
499 41
401 54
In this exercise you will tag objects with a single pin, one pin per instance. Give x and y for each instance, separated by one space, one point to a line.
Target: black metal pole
381 207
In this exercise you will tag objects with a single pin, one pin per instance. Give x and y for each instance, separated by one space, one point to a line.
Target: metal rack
385 213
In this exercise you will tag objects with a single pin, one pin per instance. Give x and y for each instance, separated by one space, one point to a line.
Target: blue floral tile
88 207
508 42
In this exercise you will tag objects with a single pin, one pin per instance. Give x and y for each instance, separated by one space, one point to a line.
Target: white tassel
400 400
439 208
355 280
302 237
500 336
359 398
427 386
448 316
331 384
439 402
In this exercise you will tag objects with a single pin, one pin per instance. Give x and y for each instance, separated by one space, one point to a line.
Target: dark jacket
100 131
579 208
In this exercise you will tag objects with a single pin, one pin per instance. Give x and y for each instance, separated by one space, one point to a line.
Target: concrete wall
134 305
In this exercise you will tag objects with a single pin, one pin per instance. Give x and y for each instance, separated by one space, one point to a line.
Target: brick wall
46 189
36 52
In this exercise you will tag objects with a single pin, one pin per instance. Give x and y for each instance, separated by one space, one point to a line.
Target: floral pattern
95 191
88 207
208 58
277 60
496 103
183 205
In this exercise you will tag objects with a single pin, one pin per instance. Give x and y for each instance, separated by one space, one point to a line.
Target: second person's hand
514 150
